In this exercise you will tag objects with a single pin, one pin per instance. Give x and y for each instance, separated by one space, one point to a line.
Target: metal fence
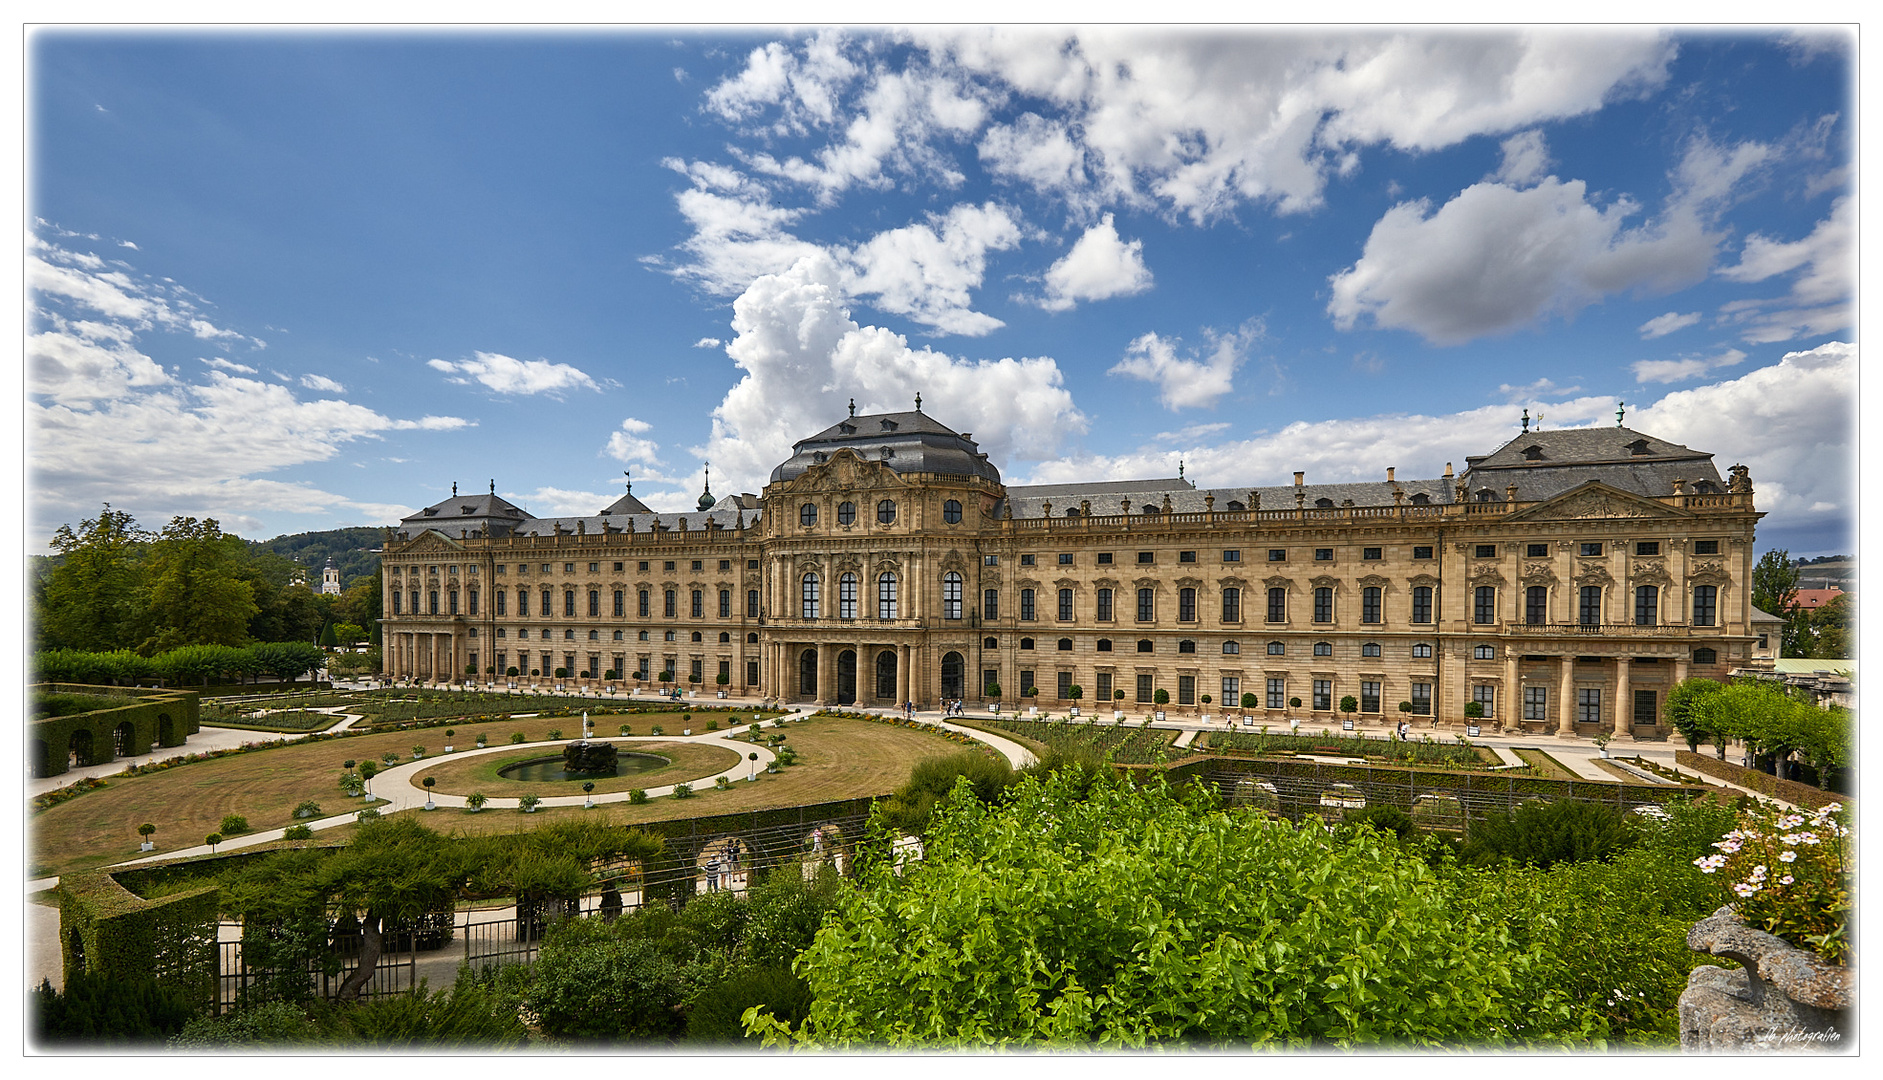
696 861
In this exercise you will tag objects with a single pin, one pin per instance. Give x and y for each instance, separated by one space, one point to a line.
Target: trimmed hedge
1790 791
49 739
107 930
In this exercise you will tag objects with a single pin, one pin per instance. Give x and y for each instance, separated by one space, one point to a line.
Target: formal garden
1133 744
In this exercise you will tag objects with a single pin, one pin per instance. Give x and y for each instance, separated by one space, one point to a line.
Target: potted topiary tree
992 690
429 781
527 804
723 680
1075 692
588 789
1117 711
449 732
146 830
475 801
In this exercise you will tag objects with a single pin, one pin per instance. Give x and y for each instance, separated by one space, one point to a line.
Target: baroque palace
1565 581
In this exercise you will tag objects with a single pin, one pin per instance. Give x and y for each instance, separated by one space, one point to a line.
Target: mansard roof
1107 497
482 514
1547 463
907 442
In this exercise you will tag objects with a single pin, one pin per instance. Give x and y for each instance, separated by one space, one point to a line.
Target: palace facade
1565 581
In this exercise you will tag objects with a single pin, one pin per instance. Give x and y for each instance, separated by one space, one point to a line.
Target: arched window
640 607
807 514
725 638
990 643
1151 510
1324 604
1236 507
696 635
1276 648
1422 651
951 595
1104 644
1422 499
1370 648
1072 511
452 596
951 512
886 596
886 512
1065 644
433 597
847 595
1186 646
807 666
1323 648
1147 605
808 599
846 513
1324 503
1705 656
751 639
1144 645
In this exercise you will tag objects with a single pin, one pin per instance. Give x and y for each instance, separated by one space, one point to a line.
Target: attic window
1486 495
1152 510
887 452
464 511
1533 453
1072 511
818 457
889 425
431 511
1639 446
1422 499
1324 503
1236 507
847 429
1703 487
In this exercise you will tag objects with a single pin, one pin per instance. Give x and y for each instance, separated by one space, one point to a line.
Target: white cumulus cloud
1526 158
1100 266
804 358
1184 383
628 444
1663 325
322 383
1819 300
927 271
508 375
1686 367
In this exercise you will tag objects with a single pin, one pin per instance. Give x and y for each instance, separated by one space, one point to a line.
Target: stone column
1511 712
1566 693
1624 701
902 674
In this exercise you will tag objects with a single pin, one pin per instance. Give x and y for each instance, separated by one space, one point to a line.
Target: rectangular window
1186 556
1186 689
1485 551
886 597
432 601
1232 605
1647 605
471 600
1536 551
1232 692
751 673
1324 605
668 565
1232 555
1323 695
1277 693
1536 703
698 605
640 604
546 608
1484 605
1536 605
500 601
1104 605
1589 549
1278 605
621 598
1422 603
1186 605
750 564
725 671
452 598
847 596
1065 558
990 560
724 564
594 603
568 603
1589 609
1026 681
951 595
395 602
1422 699
1370 554
1277 554
1589 705
1065 605
670 603
1648 547
1422 552
1145 688
642 565
808 596
1369 697
1026 605
1026 560
1705 600
751 603
1487 697
1706 547
1144 557
641 666
725 603
990 604
1323 554
1147 600
697 669
1644 707
1103 679
696 564
1104 558
1370 604
1064 688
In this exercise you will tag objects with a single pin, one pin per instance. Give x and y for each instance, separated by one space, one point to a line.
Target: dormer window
1639 446
887 452
889 425
847 429
818 456
1702 487
1236 507
1533 453
1486 495
1422 499
1324 504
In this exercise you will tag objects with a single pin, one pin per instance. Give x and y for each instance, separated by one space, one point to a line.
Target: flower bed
1791 874
1427 751
1133 745
897 721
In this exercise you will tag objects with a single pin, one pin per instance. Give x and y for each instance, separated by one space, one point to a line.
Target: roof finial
853 408
706 491
1526 421
918 401
1620 411
629 482
454 489
1180 468
493 485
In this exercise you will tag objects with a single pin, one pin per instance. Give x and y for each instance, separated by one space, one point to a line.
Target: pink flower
1787 856
1786 880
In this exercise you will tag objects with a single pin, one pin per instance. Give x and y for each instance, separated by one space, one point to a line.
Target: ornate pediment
1708 572
1027 582
1279 583
1148 583
1595 501
887 566
1325 582
433 542
1189 583
1537 573
1374 581
1593 574
1232 583
1650 572
1066 583
1105 583
1485 574
846 471
1422 579
809 564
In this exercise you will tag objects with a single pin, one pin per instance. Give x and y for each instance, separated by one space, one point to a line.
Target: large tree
91 597
1830 630
195 594
1775 591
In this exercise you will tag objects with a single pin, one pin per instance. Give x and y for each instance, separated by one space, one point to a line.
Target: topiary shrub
683 791
1543 834
297 832
233 825
516 737
636 796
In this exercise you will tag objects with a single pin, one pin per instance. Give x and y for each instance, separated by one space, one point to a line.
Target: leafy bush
933 778
233 825
516 737
307 809
297 832
555 733
528 803
1385 820
1542 834
98 1010
597 980
714 1018
636 796
683 791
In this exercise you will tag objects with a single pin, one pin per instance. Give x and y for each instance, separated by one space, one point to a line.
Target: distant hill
350 549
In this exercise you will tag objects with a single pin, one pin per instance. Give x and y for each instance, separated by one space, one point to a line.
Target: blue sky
302 280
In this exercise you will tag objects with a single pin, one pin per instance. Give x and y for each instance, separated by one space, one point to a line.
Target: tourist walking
712 876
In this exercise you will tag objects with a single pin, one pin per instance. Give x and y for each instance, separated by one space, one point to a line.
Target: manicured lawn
839 759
